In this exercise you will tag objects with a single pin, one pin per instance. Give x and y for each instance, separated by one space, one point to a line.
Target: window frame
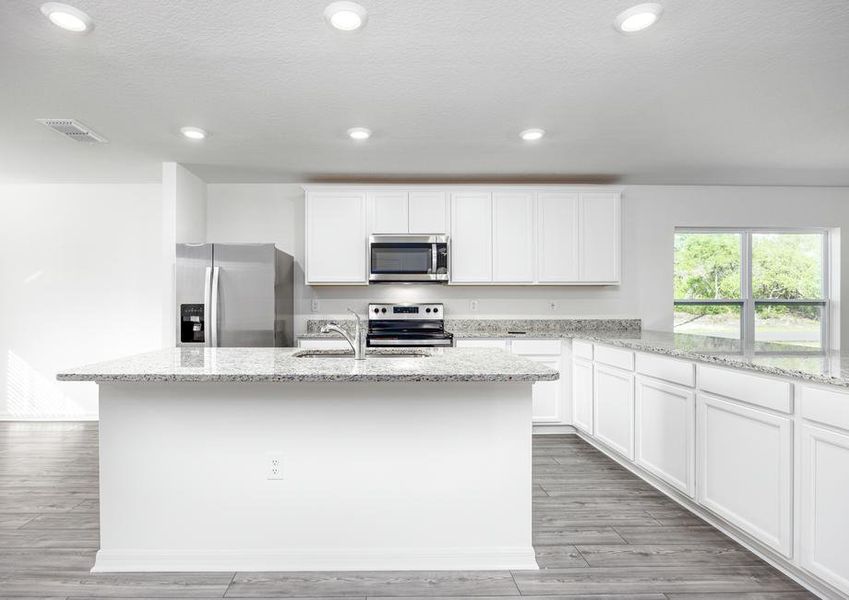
748 303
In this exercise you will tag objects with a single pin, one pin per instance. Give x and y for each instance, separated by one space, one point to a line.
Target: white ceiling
718 92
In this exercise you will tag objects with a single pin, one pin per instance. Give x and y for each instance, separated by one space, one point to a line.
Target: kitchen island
237 459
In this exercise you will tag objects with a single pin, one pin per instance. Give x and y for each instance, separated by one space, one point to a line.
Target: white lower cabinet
582 395
613 408
547 395
745 469
665 432
825 504
548 399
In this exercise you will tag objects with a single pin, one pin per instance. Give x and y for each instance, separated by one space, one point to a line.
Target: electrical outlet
552 306
473 306
274 467
315 306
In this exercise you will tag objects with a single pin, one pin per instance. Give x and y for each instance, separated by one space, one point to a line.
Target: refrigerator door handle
214 307
207 290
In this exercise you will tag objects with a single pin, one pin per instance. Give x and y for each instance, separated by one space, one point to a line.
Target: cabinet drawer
501 344
536 347
761 391
667 369
615 357
581 349
824 406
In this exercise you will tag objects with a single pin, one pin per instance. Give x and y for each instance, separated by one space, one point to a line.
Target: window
753 285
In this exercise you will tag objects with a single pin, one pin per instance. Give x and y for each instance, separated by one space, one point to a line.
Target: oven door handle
398 342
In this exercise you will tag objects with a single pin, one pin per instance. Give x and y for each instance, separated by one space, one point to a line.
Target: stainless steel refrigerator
234 295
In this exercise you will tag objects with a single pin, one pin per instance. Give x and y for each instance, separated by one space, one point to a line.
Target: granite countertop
246 365
784 360
502 328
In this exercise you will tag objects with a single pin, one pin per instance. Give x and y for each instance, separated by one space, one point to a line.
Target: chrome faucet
358 344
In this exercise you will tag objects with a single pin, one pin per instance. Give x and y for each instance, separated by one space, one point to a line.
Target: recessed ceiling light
532 135
638 17
359 133
345 15
67 17
193 133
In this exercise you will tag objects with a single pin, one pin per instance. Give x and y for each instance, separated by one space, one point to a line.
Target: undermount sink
350 355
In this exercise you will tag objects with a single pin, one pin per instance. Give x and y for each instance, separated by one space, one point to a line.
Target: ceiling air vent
74 130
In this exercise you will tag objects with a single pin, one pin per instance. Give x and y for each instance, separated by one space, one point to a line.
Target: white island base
375 476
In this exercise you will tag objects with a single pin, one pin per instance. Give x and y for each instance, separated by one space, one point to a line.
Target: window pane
787 266
707 266
789 324
719 321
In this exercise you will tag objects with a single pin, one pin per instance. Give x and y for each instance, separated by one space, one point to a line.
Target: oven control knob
435 309
377 310
427 310
383 310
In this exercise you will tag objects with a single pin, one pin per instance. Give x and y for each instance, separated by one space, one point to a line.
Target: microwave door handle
214 307
433 254
207 315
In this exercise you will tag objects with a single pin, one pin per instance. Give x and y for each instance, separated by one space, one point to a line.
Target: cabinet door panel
582 395
471 237
665 419
600 237
513 237
825 498
557 245
613 415
428 212
336 237
388 212
547 397
745 470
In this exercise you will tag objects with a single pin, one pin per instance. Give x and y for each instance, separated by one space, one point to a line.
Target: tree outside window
753 285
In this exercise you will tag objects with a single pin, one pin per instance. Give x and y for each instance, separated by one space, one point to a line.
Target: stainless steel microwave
408 258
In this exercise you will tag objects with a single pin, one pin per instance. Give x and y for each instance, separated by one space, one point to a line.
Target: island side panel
374 476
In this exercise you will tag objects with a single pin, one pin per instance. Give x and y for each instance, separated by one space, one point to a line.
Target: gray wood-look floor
600 533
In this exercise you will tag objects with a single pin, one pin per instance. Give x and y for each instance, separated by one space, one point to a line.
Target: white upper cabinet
558 227
471 237
388 212
428 212
513 237
336 237
499 234
599 249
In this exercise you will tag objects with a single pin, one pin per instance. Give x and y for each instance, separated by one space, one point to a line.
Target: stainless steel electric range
408 325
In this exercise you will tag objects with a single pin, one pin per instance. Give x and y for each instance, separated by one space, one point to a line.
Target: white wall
80 281
649 217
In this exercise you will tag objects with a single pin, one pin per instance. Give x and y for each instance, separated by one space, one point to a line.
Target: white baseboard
352 559
554 429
